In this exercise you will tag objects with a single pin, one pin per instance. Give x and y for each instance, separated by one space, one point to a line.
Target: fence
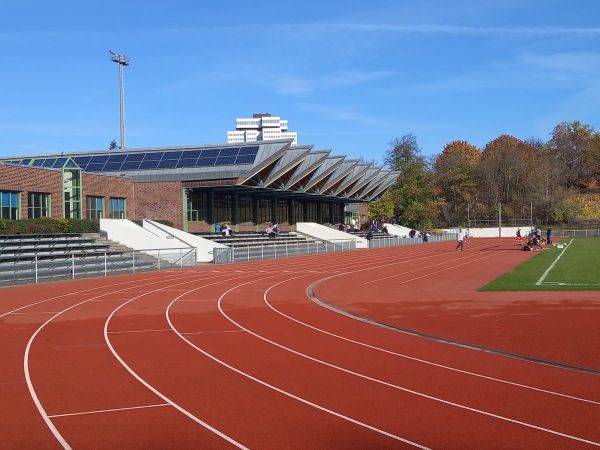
576 233
395 241
259 252
33 268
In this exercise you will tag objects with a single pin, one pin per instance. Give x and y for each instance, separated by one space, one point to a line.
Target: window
197 206
246 208
223 207
117 208
9 205
282 210
265 210
94 208
39 205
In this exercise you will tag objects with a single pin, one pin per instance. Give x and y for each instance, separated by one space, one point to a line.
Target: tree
576 148
413 193
456 179
506 175
383 209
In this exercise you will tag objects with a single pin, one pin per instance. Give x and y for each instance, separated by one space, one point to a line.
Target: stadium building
195 187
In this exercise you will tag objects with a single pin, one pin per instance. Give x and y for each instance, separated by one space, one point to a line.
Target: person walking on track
461 239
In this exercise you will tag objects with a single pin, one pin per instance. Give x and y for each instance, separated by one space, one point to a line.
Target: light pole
121 60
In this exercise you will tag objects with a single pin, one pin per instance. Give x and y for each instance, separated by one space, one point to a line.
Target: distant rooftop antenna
121 60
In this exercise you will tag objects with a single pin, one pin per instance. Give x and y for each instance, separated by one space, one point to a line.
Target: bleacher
248 246
254 238
26 258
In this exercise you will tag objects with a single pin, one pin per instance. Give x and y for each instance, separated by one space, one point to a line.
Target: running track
305 352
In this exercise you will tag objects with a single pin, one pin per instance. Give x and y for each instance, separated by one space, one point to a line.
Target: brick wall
107 187
160 201
25 180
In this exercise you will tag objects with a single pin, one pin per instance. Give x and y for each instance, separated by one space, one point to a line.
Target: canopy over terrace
255 182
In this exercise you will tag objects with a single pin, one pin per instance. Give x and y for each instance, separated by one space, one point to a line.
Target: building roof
273 164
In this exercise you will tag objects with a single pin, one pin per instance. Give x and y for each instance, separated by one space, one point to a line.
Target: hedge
48 225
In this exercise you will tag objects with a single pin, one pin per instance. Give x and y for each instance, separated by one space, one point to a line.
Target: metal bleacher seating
26 258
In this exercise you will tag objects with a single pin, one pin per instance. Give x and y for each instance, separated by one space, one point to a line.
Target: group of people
273 231
225 229
535 239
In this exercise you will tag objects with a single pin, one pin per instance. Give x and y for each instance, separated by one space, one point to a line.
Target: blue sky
349 76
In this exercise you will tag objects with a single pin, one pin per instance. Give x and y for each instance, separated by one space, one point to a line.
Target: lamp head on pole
119 59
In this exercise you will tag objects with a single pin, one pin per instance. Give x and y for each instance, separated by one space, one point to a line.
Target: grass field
575 267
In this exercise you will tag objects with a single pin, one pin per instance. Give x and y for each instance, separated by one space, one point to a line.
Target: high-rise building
261 127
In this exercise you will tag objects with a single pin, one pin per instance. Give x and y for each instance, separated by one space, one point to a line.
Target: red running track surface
304 352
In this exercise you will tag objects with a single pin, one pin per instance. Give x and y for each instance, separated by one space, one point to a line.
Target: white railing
19 269
284 250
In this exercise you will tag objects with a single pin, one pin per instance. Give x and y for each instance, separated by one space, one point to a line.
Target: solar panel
112 166
116 158
206 162
131 165
222 160
189 154
245 159
167 164
49 162
38 163
229 151
91 167
82 161
99 159
153 156
173 155
253 150
187 162
134 157
149 164
214 152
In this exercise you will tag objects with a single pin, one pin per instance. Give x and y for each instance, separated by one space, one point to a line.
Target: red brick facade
159 200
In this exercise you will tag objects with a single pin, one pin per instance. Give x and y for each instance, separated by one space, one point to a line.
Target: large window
94 208
265 210
283 210
39 205
117 208
223 207
9 205
246 206
197 207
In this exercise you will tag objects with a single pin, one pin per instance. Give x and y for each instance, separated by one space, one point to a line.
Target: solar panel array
49 163
172 159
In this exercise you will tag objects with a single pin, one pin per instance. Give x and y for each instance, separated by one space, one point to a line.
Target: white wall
204 247
324 233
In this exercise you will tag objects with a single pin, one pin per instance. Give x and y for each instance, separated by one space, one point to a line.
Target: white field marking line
276 389
108 410
212 332
545 274
152 388
32 391
412 358
410 391
558 283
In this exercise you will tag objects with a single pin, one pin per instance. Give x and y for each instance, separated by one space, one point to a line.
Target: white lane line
152 388
99 411
139 331
412 358
545 274
281 391
26 370
410 391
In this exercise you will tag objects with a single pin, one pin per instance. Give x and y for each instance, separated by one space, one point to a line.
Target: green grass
576 268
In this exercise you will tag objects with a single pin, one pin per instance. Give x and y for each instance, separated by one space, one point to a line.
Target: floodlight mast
121 60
